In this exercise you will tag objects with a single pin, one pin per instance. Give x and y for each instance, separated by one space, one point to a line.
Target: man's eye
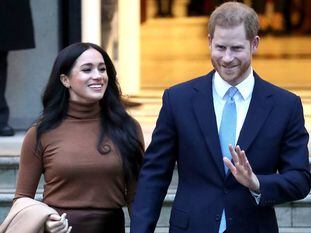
237 48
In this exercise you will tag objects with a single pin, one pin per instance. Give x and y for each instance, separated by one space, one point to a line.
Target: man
199 122
16 33
108 8
164 8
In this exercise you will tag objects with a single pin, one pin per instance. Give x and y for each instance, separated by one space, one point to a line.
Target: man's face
231 53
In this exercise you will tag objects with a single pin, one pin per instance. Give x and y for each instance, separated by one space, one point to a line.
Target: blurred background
154 44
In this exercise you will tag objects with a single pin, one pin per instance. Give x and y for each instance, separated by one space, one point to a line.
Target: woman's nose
97 74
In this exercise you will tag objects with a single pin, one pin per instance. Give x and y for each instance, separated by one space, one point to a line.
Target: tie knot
231 92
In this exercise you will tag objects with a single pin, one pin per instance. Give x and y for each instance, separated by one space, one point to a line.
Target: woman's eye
103 69
86 70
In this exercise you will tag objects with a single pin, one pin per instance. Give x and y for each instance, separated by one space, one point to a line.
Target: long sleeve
156 172
30 167
292 181
131 186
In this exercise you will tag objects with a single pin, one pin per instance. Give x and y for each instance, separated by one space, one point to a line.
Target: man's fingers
248 168
233 154
243 157
244 161
230 165
240 155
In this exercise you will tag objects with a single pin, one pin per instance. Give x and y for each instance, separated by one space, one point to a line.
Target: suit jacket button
217 218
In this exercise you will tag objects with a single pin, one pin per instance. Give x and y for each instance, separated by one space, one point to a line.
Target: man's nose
228 56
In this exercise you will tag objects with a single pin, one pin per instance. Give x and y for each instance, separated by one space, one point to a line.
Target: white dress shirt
242 100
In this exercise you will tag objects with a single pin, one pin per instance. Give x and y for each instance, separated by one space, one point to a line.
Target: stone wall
28 70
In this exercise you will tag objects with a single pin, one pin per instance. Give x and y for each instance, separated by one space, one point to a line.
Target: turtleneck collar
77 110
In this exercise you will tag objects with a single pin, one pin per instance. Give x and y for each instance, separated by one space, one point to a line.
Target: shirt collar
245 87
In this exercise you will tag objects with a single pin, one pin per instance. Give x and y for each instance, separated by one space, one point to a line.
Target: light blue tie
227 136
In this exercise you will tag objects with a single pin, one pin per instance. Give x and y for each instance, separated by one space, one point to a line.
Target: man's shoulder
274 89
191 84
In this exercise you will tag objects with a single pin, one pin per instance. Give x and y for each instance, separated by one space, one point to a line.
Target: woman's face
88 79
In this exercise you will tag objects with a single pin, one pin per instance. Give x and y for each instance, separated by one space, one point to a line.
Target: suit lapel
203 106
259 109
205 114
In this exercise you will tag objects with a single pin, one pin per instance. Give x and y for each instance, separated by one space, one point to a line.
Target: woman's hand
57 224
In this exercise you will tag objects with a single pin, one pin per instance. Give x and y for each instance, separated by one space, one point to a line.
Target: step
146 114
295 230
294 214
10 146
8 172
294 217
291 216
281 230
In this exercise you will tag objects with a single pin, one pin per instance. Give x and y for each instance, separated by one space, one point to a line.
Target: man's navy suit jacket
274 139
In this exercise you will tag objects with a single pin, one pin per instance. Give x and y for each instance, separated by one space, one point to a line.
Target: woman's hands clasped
57 224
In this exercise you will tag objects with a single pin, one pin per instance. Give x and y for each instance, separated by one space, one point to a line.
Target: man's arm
292 182
156 172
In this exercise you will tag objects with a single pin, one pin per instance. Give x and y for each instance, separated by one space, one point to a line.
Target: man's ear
255 44
65 80
209 40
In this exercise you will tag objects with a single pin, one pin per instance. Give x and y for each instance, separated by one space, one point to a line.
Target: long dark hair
116 123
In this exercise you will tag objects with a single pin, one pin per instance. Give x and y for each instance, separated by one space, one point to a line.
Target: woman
85 144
